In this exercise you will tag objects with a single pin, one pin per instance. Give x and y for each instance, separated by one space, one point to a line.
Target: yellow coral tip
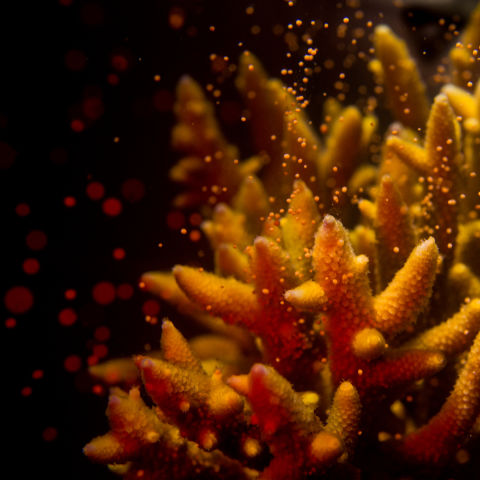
326 448
368 344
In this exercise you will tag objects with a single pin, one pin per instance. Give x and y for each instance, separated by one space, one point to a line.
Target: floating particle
100 350
73 363
102 333
10 322
36 240
112 206
125 291
75 60
31 266
26 391
133 190
77 125
151 307
70 294
49 434
37 374
103 293
112 79
67 317
176 18
95 190
69 201
93 108
118 253
7 155
18 299
119 62
22 209
195 235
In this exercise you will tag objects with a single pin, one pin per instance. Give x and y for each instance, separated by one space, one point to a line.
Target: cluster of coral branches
329 349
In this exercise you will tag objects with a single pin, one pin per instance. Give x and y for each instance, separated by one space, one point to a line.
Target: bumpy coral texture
330 351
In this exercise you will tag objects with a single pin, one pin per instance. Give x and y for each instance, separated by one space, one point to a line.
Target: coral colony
343 310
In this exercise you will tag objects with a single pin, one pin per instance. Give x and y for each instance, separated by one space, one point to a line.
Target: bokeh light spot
10 322
125 291
151 307
18 299
73 363
49 434
22 209
36 240
67 317
112 207
75 60
7 155
102 333
31 266
119 253
133 190
70 294
103 293
95 190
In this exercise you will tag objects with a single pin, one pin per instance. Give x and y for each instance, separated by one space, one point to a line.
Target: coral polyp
342 315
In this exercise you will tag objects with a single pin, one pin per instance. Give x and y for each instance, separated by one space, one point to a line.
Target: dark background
108 85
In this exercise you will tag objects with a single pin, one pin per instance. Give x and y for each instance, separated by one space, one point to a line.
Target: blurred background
87 90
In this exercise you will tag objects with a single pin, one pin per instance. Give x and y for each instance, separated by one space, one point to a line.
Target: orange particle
31 266
22 209
18 300
112 206
119 253
70 294
102 333
67 317
176 18
77 125
195 235
36 240
72 363
124 291
49 434
103 293
69 201
151 307
10 322
95 190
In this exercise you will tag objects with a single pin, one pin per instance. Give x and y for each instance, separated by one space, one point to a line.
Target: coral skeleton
343 323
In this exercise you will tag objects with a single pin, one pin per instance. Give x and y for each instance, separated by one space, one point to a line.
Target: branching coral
328 342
